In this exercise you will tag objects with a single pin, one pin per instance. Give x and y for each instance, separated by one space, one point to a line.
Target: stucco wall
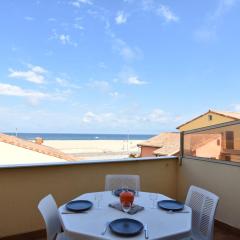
221 179
204 122
147 151
22 188
209 150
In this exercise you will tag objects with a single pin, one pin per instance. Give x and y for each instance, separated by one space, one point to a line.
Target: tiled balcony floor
225 234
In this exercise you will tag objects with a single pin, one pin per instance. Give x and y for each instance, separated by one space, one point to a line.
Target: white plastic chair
113 182
48 208
203 204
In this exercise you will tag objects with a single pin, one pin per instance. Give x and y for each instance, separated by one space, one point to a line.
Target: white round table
161 224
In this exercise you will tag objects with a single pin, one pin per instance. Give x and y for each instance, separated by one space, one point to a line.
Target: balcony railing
23 186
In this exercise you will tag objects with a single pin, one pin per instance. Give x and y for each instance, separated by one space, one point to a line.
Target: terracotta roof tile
35 147
168 143
235 115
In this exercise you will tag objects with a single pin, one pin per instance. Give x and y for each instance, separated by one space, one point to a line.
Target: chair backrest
118 181
203 204
48 208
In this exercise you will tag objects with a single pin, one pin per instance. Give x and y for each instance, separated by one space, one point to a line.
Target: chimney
39 140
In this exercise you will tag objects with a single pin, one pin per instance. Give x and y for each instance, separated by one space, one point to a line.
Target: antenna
128 141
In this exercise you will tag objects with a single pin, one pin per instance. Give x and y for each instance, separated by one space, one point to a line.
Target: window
210 117
228 158
229 140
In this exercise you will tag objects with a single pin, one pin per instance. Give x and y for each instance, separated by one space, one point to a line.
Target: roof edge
209 111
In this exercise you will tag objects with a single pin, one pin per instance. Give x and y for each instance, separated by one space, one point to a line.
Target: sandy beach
96 149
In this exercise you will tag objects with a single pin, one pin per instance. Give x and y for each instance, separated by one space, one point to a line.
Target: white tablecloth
161 224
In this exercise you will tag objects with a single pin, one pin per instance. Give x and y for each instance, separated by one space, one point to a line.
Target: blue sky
123 66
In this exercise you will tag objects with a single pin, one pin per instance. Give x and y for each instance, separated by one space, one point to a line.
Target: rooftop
232 115
168 143
12 143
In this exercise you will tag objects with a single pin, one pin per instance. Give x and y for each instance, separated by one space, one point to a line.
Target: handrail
86 162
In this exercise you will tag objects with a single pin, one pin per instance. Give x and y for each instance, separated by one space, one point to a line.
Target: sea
78 136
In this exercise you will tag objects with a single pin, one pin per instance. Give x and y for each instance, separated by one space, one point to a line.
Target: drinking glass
124 186
153 197
98 199
126 206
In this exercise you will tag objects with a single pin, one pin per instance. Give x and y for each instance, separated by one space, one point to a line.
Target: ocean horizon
80 136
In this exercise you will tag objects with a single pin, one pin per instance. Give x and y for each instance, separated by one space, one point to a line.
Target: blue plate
79 205
171 205
126 227
118 191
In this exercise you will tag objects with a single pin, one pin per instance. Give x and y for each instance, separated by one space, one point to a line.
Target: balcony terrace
23 186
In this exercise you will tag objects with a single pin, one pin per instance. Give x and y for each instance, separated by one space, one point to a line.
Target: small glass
153 197
98 199
126 206
124 187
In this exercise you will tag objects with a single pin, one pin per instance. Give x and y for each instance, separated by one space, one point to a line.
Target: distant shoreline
77 136
96 149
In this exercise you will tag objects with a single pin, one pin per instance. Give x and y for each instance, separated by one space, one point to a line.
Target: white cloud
125 51
102 65
140 121
78 26
51 19
160 10
64 39
103 86
66 84
90 117
78 23
158 116
61 81
134 80
208 31
223 7
148 4
12 90
121 47
32 96
78 3
28 18
121 17
167 14
114 94
31 119
35 74
128 53
38 69
128 76
132 120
